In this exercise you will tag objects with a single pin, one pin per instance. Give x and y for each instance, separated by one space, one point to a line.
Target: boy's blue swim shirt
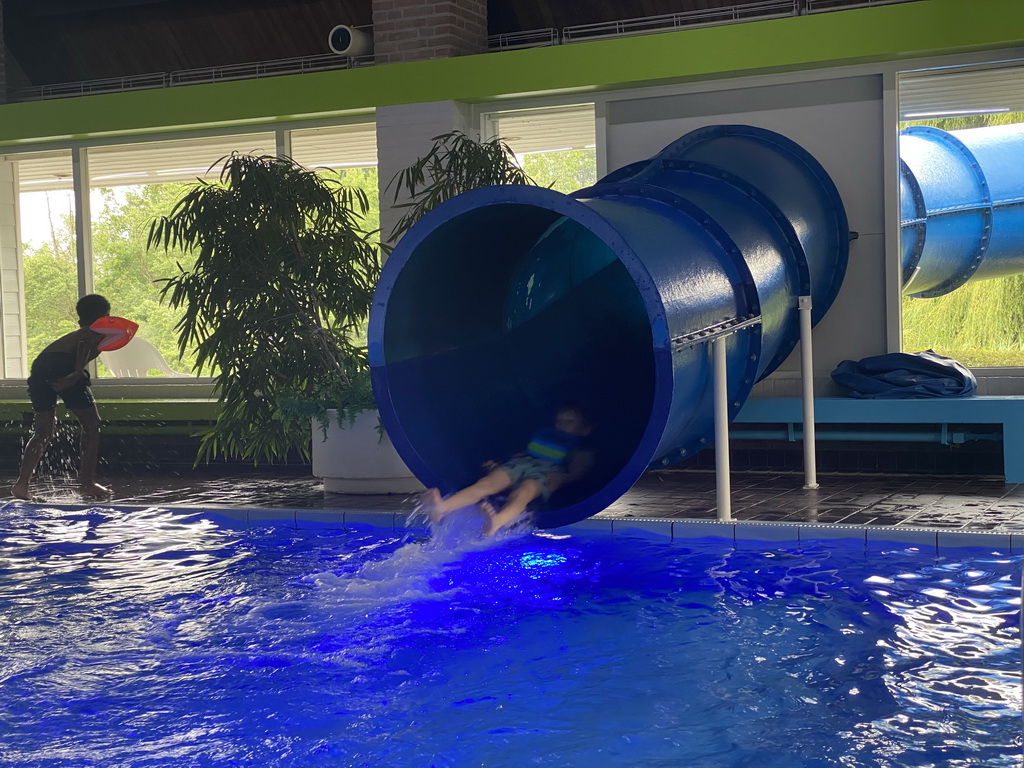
552 445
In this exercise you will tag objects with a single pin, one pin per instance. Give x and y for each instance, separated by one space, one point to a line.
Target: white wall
840 122
12 318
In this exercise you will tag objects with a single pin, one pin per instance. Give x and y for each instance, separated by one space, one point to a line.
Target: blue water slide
505 303
962 206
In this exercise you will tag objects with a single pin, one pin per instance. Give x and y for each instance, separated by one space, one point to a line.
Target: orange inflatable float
116 330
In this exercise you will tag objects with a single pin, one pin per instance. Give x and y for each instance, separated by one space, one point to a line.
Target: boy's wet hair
91 308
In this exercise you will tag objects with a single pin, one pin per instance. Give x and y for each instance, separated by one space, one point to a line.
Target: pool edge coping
739 532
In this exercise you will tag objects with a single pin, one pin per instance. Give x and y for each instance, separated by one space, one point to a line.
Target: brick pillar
416 30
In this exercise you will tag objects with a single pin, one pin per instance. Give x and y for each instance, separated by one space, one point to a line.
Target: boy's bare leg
516 504
87 485
42 434
496 482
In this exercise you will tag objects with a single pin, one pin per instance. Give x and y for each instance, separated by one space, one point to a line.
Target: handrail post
807 390
720 384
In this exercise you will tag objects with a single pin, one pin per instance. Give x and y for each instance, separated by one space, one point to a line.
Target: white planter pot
355 459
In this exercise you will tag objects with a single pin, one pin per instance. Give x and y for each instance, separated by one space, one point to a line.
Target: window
40 275
130 184
348 150
125 186
555 146
962 262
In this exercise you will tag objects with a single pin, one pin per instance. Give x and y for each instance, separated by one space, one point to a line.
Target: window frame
155 387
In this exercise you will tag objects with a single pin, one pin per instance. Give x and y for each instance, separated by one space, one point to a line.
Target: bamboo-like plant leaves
454 164
284 276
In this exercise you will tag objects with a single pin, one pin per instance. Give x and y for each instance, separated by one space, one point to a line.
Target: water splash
56 478
410 572
62 456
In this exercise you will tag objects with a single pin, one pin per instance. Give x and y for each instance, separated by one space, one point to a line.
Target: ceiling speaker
347 41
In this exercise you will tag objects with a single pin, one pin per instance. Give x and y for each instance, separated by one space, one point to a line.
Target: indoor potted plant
276 303
350 450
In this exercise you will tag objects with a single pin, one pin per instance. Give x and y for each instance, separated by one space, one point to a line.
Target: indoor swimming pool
159 637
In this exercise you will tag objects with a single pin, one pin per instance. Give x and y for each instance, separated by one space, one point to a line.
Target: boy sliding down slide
553 458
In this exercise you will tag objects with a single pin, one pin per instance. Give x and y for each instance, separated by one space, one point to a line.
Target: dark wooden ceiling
56 41
53 41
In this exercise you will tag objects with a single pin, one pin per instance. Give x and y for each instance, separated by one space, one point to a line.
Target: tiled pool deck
766 506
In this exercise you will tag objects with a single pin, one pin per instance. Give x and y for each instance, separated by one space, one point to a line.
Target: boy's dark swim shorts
52 365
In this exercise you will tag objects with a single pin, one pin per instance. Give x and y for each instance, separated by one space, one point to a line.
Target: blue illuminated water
157 639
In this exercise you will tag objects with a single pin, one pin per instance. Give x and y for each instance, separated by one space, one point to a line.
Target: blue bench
1004 411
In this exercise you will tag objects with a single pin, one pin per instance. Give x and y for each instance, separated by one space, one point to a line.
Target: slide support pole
807 388
722 480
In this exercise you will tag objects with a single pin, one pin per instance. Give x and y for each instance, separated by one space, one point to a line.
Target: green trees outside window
123 268
564 171
50 270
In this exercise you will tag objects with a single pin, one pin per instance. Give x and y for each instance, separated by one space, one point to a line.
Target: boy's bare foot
95 491
20 491
431 503
490 518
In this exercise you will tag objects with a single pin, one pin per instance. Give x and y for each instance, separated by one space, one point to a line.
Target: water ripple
153 639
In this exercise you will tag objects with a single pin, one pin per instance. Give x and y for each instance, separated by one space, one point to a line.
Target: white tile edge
939 538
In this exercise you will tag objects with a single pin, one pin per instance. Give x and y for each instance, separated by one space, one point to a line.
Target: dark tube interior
499 317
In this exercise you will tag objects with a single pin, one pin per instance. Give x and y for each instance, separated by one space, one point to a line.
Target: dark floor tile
951 502
660 514
760 515
762 512
863 518
816 515
1015 526
854 498
826 513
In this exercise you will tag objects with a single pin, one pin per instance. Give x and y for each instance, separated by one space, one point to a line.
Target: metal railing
713 17
258 69
533 38
731 14
247 71
822 6
86 87
536 38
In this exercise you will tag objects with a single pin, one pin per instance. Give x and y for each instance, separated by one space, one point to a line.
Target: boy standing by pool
553 458
59 370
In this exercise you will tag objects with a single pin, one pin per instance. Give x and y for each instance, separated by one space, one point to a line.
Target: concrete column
404 134
13 349
282 143
83 218
3 59
416 30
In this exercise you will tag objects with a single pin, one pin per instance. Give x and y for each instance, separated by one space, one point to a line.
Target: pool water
154 638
